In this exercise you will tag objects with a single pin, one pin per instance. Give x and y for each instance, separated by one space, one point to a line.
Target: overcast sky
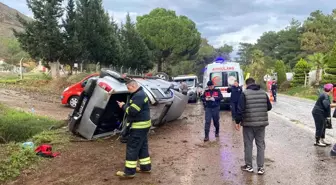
220 21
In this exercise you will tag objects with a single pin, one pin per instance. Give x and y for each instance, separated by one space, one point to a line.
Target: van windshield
189 82
224 79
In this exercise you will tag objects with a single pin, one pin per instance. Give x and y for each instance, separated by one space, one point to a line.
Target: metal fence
91 68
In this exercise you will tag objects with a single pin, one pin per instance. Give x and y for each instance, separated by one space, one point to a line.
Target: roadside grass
17 127
39 82
302 92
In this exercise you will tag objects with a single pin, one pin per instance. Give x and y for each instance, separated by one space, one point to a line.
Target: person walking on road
252 115
235 91
184 88
321 112
138 116
274 89
211 100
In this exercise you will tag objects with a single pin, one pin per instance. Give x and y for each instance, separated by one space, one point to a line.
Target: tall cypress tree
42 37
136 52
96 32
72 46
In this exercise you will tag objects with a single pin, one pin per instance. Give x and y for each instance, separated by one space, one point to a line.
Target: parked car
71 94
191 81
97 113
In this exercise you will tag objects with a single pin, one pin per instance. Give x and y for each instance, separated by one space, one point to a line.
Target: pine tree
42 37
136 53
330 76
72 47
96 32
301 69
280 69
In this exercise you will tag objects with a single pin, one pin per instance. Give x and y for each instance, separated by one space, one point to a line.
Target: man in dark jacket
139 122
235 91
252 114
274 89
211 100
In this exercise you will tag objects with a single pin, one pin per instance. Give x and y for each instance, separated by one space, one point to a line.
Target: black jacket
235 93
242 107
216 93
274 87
137 109
322 106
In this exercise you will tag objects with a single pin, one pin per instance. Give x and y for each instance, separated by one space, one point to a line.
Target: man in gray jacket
252 115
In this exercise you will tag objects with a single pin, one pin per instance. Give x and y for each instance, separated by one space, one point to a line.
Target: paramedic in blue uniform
235 91
211 100
139 123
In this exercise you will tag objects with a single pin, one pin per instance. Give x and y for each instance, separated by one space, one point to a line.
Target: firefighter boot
123 175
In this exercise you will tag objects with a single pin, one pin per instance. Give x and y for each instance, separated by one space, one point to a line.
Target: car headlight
66 89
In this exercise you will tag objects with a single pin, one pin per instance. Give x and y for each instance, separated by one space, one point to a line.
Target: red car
71 94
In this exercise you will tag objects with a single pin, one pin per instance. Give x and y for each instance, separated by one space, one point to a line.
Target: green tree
301 70
330 70
268 43
319 33
319 63
42 37
224 51
206 55
257 67
245 53
96 33
136 53
289 46
170 37
280 69
72 45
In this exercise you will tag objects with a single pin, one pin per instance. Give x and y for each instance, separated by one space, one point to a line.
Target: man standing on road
184 88
211 100
274 89
235 91
252 114
138 116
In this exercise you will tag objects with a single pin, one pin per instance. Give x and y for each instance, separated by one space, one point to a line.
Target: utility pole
21 75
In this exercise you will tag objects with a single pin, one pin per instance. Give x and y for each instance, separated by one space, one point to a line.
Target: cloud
220 21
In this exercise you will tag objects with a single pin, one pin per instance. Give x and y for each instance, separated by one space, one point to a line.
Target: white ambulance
223 74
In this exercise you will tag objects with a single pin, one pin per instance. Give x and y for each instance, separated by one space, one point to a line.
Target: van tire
162 75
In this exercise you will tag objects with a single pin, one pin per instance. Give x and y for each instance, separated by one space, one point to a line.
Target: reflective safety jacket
137 110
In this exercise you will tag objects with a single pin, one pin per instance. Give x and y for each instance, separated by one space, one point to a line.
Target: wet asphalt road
180 156
290 156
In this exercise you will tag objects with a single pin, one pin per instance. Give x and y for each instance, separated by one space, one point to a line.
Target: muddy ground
179 155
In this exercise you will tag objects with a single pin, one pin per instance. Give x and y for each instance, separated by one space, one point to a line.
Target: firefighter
139 123
211 100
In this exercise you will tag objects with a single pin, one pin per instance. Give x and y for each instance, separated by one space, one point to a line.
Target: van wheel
73 100
162 75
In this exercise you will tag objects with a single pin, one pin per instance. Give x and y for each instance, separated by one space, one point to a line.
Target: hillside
8 20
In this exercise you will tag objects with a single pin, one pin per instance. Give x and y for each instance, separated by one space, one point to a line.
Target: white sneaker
326 142
320 144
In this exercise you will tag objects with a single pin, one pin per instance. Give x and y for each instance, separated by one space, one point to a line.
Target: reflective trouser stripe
131 164
142 124
146 100
145 161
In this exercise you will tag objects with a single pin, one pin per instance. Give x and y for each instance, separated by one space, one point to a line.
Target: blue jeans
211 113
